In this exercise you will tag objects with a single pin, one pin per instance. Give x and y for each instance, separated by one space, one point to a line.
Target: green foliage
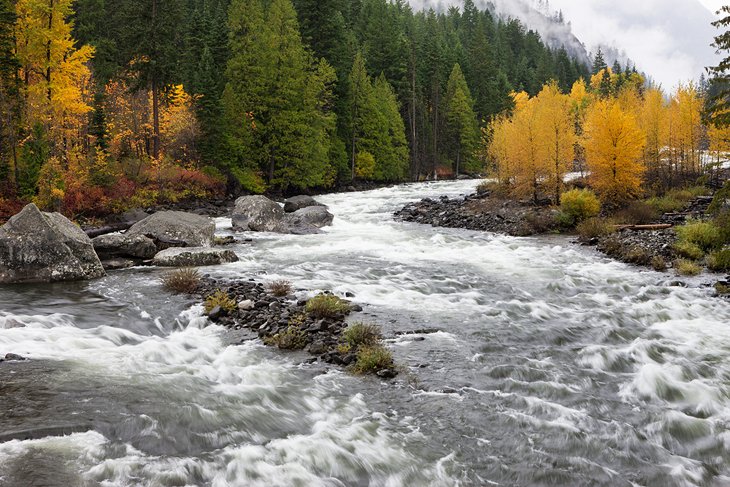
689 250
687 268
33 155
637 213
326 306
371 359
219 298
462 129
721 200
658 263
181 280
722 289
364 165
719 261
578 205
676 199
292 338
595 228
703 234
362 334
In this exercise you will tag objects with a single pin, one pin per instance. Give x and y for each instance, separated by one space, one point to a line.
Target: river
538 363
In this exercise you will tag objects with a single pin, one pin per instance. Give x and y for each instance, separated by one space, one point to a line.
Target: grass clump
279 288
181 281
326 306
362 335
686 267
689 250
703 234
373 359
637 255
219 298
595 228
577 205
719 261
292 338
637 213
722 289
658 263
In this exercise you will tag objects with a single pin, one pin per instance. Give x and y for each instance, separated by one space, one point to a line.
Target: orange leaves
614 144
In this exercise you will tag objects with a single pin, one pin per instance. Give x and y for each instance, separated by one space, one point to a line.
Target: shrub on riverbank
704 235
219 298
719 261
686 267
326 306
372 359
595 228
279 288
292 338
184 281
362 334
578 205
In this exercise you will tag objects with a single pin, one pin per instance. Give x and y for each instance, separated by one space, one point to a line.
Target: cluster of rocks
648 248
46 247
482 212
301 215
275 318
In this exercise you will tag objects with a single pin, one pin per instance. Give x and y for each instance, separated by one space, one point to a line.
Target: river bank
650 245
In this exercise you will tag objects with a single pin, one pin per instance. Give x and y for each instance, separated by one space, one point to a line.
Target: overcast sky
668 39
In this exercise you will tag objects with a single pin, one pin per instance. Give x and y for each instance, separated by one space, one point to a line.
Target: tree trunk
155 120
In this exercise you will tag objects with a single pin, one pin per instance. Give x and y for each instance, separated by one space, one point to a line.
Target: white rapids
529 362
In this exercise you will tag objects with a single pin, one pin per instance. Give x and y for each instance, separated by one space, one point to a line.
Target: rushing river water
550 366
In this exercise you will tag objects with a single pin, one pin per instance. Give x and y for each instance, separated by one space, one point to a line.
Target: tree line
107 104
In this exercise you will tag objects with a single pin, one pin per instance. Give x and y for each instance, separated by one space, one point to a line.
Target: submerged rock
193 257
45 247
309 219
176 229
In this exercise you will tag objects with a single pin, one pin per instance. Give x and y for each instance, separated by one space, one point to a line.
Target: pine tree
391 156
10 100
599 63
720 101
462 130
361 107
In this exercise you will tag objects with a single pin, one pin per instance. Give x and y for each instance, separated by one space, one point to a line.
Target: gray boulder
176 229
298 202
316 216
193 257
115 245
45 247
257 213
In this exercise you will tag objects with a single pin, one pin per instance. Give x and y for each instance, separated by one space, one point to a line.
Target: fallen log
657 226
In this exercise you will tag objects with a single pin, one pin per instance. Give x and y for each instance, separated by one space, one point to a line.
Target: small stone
386 373
14 357
246 305
216 313
317 348
349 294
356 308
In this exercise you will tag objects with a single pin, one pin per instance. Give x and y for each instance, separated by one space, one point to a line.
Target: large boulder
257 213
310 216
194 257
298 202
176 229
115 245
45 247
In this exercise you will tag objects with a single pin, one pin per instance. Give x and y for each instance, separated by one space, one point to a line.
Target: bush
364 165
637 255
279 288
689 250
722 289
687 268
637 213
326 306
658 263
362 334
719 261
666 204
595 228
703 234
181 281
219 298
291 339
577 205
721 199
373 359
